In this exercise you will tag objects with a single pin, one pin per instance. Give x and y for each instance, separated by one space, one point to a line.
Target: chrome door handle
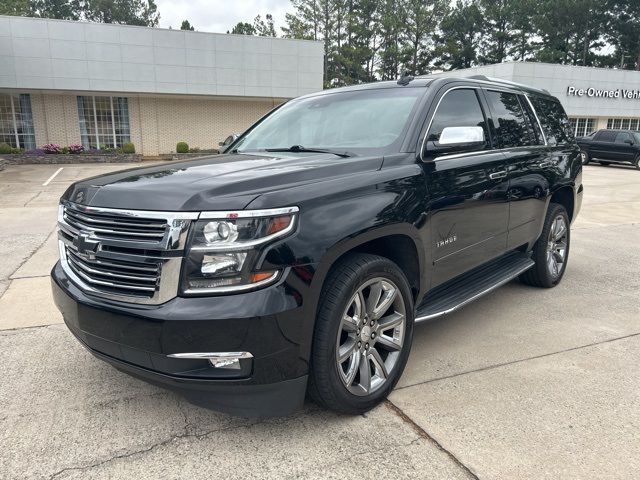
498 175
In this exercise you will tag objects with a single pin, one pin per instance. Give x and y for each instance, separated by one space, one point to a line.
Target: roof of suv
426 80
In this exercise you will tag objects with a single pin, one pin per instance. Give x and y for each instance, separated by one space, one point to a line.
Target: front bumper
138 340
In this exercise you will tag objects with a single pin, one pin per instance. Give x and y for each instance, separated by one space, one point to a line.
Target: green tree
264 28
243 28
14 7
574 33
459 37
624 33
128 12
498 30
60 9
390 27
186 25
421 22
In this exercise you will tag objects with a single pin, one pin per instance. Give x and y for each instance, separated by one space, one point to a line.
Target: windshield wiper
300 148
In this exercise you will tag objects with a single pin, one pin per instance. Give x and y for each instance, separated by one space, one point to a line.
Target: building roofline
85 22
518 62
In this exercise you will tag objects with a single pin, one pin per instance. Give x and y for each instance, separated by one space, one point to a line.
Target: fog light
226 360
230 363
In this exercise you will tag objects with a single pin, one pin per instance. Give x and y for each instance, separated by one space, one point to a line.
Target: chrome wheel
557 246
371 336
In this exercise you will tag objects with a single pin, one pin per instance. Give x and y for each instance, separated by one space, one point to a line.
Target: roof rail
507 82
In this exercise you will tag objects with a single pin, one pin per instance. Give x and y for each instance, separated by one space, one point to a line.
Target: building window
583 126
624 123
16 121
104 122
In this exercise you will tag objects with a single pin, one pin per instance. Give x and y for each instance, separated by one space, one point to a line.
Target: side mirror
629 141
456 139
227 141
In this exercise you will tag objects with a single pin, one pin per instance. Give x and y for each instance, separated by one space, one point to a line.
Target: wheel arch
401 245
565 196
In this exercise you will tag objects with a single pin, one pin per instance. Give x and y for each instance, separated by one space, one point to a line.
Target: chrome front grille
125 255
111 226
116 277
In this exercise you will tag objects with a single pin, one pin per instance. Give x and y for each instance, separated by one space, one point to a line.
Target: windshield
361 121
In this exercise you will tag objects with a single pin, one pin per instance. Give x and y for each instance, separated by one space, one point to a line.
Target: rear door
561 146
527 158
468 191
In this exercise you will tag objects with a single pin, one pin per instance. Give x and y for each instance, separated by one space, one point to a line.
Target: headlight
224 248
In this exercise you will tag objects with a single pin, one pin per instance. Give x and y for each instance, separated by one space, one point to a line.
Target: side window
458 108
622 137
554 120
509 120
606 136
537 132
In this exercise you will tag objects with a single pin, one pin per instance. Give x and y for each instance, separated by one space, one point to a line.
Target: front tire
584 156
637 162
551 251
362 335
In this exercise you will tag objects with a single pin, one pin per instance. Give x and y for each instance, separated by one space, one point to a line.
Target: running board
457 293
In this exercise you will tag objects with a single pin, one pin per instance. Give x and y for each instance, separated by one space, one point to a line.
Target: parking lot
524 383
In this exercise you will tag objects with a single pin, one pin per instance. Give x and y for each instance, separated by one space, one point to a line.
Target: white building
594 98
102 85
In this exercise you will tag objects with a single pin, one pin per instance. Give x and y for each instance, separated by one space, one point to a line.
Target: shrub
182 147
16 150
194 149
76 148
128 148
52 148
65 150
5 148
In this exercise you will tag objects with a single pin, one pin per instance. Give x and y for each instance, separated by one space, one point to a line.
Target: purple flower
35 151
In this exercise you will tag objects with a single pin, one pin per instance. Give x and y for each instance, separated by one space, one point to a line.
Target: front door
467 192
622 148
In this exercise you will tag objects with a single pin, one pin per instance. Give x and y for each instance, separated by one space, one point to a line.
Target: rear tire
551 251
584 155
637 162
362 334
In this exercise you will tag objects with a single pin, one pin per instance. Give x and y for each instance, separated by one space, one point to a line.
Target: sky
219 15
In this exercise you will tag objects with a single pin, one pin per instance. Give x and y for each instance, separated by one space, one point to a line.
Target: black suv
301 260
611 146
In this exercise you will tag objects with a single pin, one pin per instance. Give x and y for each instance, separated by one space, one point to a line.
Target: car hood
218 182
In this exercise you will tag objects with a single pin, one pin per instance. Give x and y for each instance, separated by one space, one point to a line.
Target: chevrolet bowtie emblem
85 246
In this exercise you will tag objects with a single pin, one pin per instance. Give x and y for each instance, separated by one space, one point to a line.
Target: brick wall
156 123
200 123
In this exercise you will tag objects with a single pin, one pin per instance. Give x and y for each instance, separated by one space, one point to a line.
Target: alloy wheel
557 246
371 336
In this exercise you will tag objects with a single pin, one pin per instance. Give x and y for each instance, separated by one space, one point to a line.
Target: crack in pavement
4 332
513 362
429 438
146 450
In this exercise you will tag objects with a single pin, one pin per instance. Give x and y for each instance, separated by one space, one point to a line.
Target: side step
460 291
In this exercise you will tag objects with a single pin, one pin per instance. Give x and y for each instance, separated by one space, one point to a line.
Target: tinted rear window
554 120
509 120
